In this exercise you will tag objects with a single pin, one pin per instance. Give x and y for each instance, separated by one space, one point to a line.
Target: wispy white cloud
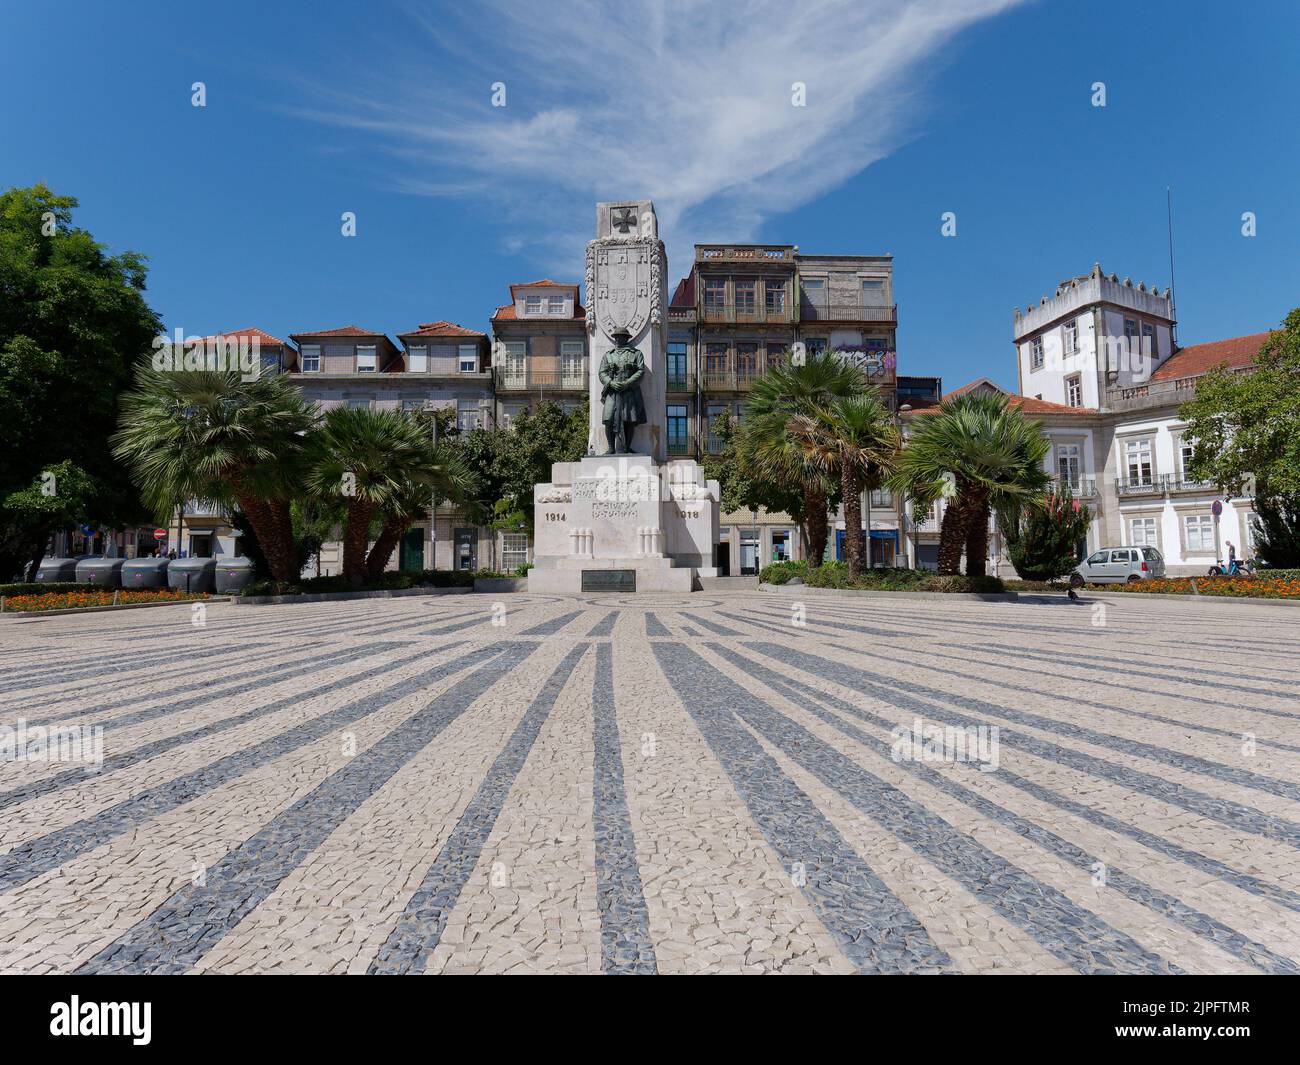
689 103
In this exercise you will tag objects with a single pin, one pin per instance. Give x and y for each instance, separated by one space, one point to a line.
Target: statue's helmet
621 337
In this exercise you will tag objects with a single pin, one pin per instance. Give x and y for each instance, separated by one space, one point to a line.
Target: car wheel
1076 580
1133 578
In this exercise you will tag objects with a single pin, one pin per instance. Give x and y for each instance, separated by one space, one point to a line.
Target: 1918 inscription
609 580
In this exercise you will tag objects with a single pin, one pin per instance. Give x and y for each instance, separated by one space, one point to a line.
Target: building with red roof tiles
540 349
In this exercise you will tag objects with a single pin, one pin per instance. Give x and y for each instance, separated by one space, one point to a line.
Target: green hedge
393 580
836 575
42 589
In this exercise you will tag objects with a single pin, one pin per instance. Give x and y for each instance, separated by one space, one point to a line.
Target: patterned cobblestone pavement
729 782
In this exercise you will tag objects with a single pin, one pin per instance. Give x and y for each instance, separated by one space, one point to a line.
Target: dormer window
419 358
310 354
532 305
365 358
555 305
468 358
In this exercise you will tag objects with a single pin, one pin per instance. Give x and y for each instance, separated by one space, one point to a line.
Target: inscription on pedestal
609 580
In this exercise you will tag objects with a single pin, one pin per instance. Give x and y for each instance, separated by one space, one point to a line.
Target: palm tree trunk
273 525
389 537
814 505
852 492
977 536
952 536
356 534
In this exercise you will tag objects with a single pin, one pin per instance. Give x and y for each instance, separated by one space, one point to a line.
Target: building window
775 354
676 363
815 345
310 354
1036 353
532 305
358 404
365 358
814 290
715 295
774 295
555 305
468 416
1149 345
1068 468
514 550
873 292
715 441
1130 337
882 497
412 404
1200 533
571 355
270 364
511 411
1137 456
746 362
1184 448
1142 532
1071 333
678 430
418 358
1074 391
468 358
715 358
746 296
512 369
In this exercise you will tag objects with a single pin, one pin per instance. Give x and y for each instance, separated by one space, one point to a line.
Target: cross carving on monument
624 219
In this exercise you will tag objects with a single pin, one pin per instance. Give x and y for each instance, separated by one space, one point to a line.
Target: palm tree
786 392
853 438
199 434
369 459
447 479
980 452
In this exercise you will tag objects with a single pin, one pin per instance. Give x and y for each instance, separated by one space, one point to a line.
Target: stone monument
625 518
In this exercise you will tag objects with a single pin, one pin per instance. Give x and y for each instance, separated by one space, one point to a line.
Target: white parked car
1117 565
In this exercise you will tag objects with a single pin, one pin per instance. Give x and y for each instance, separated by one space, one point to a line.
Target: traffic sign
160 534
1217 508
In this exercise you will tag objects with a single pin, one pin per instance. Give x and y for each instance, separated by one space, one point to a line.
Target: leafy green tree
1277 531
73 321
503 464
205 434
988 452
767 449
743 488
1248 424
1042 540
853 438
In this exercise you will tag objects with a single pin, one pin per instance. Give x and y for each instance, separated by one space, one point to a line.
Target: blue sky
980 107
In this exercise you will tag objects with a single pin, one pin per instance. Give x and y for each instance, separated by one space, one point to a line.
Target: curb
866 593
100 609
1205 598
500 584
338 597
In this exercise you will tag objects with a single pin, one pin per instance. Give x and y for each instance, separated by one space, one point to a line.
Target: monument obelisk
627 291
624 518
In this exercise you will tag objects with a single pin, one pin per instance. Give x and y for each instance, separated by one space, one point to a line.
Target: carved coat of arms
623 286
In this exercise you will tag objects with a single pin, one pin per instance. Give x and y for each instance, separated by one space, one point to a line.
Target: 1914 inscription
609 580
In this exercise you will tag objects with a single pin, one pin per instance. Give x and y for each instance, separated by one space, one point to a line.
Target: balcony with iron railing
681 382
1151 485
740 380
680 447
206 508
1079 487
747 314
845 309
572 378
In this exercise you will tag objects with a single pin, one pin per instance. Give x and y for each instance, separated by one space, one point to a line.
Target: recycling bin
233 574
145 573
56 570
192 574
102 572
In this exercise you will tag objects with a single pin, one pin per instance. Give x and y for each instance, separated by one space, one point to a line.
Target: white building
1099 367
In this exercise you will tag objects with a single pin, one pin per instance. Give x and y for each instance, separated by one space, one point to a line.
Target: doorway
411 557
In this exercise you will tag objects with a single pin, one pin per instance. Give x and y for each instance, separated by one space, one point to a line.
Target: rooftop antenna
1173 300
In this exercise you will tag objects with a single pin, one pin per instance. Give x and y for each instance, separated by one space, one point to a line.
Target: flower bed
98 597
1261 587
836 575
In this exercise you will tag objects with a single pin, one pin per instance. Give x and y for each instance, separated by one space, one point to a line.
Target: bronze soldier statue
620 373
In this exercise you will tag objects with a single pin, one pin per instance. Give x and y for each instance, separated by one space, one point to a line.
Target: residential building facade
745 308
438 366
540 348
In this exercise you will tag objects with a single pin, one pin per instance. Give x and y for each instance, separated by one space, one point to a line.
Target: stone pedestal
612 513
